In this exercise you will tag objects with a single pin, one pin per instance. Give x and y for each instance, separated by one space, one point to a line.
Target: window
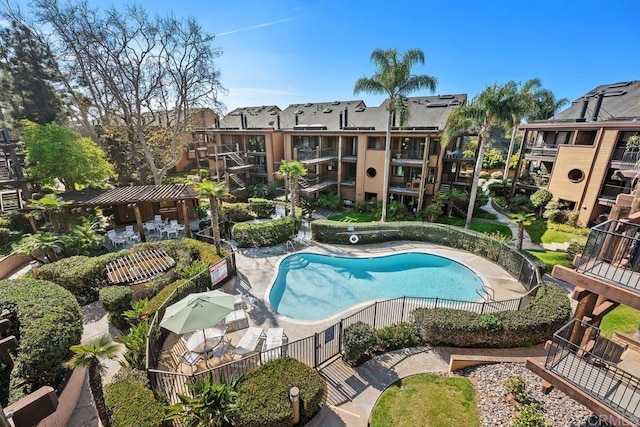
397 171
431 175
586 137
434 147
562 138
575 175
374 143
371 172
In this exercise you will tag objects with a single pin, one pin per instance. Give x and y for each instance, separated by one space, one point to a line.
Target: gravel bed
495 410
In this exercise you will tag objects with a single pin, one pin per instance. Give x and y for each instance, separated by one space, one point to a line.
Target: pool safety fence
323 346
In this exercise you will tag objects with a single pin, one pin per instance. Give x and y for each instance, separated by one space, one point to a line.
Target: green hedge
46 320
325 231
116 299
263 394
270 233
236 212
263 208
547 312
131 403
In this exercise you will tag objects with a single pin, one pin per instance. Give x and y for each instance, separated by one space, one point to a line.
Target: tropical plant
492 159
546 105
49 207
540 198
292 170
136 343
454 195
213 191
522 219
84 238
393 78
212 405
90 355
137 312
487 109
330 200
43 244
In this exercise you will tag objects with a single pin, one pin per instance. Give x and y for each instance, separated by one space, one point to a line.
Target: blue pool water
313 286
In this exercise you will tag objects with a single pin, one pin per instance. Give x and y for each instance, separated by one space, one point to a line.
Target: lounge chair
190 358
272 348
236 320
249 341
238 302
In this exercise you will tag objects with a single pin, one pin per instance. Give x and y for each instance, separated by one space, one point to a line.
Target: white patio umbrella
197 311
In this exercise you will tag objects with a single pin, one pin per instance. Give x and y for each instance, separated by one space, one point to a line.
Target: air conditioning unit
348 202
329 167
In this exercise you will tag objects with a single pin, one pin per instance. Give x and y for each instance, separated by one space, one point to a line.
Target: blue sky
287 51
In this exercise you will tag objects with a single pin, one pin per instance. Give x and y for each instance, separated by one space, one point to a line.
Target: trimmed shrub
249 235
184 286
236 212
579 231
484 174
131 403
116 299
4 235
546 313
574 249
359 340
263 208
263 394
399 336
497 175
46 320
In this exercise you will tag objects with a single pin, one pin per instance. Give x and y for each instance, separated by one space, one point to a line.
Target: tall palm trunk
292 195
387 162
510 152
520 236
476 175
215 224
95 383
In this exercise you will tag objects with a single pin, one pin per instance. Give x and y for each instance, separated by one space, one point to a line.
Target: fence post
315 350
436 306
404 298
375 314
482 307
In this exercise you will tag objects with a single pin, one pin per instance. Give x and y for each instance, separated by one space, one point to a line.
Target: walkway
526 241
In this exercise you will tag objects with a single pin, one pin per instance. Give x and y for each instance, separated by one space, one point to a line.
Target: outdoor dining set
203 321
166 228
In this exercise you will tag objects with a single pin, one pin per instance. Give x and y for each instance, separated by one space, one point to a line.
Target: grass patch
540 233
551 258
355 217
622 319
479 226
427 400
482 214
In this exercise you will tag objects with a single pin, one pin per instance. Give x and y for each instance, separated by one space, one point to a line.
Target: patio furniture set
124 238
203 320
163 227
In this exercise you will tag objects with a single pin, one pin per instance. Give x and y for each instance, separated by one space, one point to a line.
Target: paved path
526 241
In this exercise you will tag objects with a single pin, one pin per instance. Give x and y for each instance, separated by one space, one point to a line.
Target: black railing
612 253
305 154
626 158
592 367
610 191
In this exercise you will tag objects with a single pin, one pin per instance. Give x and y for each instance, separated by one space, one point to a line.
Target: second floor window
375 143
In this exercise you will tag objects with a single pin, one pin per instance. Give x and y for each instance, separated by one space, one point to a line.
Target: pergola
140 199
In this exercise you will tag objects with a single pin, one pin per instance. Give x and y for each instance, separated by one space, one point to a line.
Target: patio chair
132 236
236 320
157 219
190 358
115 239
273 346
249 341
149 227
172 232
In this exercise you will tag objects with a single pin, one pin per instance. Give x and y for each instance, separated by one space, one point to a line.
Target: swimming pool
314 286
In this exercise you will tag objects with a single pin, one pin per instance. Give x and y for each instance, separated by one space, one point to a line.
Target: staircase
303 183
236 158
239 182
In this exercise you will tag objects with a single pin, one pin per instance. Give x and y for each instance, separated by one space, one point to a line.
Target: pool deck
257 268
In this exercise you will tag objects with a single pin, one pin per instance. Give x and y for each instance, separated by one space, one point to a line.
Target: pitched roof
133 194
256 117
319 114
620 102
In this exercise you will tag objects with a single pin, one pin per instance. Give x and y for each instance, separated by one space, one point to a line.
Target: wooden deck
620 394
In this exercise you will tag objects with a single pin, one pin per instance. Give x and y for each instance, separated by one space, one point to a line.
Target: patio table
197 343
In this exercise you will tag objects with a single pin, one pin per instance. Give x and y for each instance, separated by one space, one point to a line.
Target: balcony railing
541 151
626 159
610 191
591 366
612 254
407 154
318 153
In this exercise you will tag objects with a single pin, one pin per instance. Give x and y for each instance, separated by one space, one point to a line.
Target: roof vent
445 97
360 109
335 103
614 93
308 104
437 104
299 112
454 102
327 110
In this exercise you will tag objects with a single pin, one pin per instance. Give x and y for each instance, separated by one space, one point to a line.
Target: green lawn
354 217
479 226
551 258
622 319
540 234
427 400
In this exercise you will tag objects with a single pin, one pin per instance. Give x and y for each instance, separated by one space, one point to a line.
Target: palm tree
89 355
487 109
393 78
522 104
292 170
43 243
453 195
522 219
546 105
214 191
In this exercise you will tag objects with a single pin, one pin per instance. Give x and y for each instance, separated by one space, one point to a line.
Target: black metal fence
323 346
592 367
612 253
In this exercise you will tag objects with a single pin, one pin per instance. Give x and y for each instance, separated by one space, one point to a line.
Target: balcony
309 156
312 183
591 369
626 161
402 155
456 156
610 192
541 151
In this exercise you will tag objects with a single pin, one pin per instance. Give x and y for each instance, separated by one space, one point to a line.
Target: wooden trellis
139 267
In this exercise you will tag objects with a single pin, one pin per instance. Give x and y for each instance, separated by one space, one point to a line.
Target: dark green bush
17 221
116 299
359 340
395 337
546 313
4 235
155 285
131 403
236 212
46 320
574 249
263 208
270 233
263 394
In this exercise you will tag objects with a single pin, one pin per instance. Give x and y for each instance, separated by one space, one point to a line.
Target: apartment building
580 155
342 145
